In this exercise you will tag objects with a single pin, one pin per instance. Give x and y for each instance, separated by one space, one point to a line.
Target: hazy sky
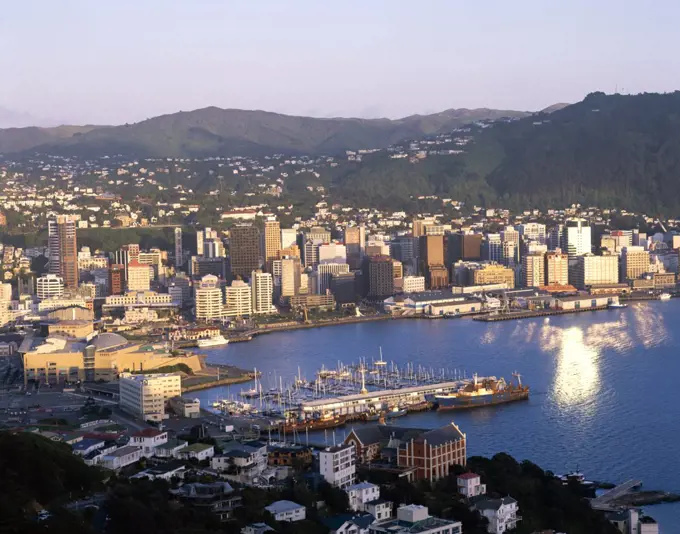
112 61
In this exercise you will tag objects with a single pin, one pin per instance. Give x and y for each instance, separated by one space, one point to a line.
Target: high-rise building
380 277
533 232
492 273
510 246
288 237
200 235
138 276
310 252
208 298
332 253
577 237
146 395
594 270
413 284
179 253
63 250
355 243
5 293
377 248
317 233
463 247
556 268
272 243
291 274
244 250
262 290
49 286
116 279
213 248
432 261
343 287
238 300
324 273
493 248
533 270
634 262
404 248
557 238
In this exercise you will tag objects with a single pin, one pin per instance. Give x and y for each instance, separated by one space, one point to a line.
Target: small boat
212 342
375 416
616 305
396 412
665 296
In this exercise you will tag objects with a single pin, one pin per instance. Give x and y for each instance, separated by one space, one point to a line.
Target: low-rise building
197 451
413 518
584 302
337 465
189 408
145 396
469 485
148 439
290 455
218 498
170 449
349 523
360 494
502 514
287 511
249 458
122 457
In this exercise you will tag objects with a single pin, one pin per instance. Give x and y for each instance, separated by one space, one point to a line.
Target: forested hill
608 150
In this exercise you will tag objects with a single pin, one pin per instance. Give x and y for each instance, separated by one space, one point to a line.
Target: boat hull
466 402
313 424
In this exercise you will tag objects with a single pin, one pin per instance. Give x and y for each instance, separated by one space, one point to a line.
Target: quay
533 313
359 403
606 501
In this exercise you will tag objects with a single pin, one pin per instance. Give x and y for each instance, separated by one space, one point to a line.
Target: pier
359 403
607 501
534 313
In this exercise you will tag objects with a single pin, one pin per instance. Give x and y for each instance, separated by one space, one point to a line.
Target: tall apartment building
556 268
355 243
492 273
262 290
63 250
577 238
238 300
146 396
244 250
593 270
272 243
138 276
337 465
634 262
213 248
380 276
49 286
208 299
179 253
533 270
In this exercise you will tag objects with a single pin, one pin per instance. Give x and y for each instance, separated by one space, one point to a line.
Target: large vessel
665 296
318 423
212 342
485 393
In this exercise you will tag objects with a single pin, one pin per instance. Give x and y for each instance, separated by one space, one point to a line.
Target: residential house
170 449
256 528
238 458
197 451
360 494
469 485
287 511
502 514
149 439
217 498
122 457
163 471
290 455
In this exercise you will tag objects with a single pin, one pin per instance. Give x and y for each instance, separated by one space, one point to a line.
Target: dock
509 316
349 405
606 501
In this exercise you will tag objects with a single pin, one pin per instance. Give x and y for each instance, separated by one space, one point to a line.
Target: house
380 509
287 511
122 457
149 439
501 513
290 455
170 449
630 522
337 465
164 472
256 528
349 523
360 494
217 498
198 451
237 458
414 518
86 446
469 485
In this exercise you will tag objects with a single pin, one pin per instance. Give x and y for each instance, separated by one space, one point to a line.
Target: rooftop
468 476
282 506
124 451
148 433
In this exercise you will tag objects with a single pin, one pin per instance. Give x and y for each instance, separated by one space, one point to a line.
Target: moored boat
665 296
616 305
212 342
488 392
397 411
320 423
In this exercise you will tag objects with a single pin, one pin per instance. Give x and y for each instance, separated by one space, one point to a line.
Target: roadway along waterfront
604 385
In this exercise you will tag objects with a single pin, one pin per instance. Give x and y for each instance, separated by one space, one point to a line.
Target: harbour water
605 392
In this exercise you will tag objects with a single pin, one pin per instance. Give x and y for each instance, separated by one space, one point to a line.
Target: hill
223 132
608 150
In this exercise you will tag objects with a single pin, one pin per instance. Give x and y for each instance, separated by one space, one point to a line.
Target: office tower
577 237
332 253
317 233
116 279
244 250
418 226
49 286
262 290
213 248
291 274
200 237
397 269
355 243
557 238
272 243
324 273
413 284
510 246
533 232
533 270
154 259
622 238
493 248
464 247
288 238
595 270
310 253
432 261
404 248
377 248
200 266
138 276
179 255
5 293
492 273
209 302
63 250
238 300
634 262
556 268
380 277
640 239
343 287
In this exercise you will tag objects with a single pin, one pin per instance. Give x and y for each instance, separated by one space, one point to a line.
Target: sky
111 62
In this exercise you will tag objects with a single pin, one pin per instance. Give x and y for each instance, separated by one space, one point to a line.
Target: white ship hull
212 342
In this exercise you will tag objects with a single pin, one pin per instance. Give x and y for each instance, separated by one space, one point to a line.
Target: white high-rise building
324 271
332 253
594 270
49 286
288 237
213 248
146 395
337 465
494 248
209 302
238 300
139 276
262 290
5 292
179 255
578 238
533 232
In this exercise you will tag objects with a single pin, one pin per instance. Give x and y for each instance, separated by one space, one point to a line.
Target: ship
319 423
488 392
396 411
212 342
665 296
615 305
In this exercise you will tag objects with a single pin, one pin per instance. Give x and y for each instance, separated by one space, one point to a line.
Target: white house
469 485
256 528
170 449
501 513
287 511
198 451
337 465
360 494
249 457
148 439
122 457
381 509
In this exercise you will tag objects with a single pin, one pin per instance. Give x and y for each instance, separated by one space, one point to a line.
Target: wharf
533 313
